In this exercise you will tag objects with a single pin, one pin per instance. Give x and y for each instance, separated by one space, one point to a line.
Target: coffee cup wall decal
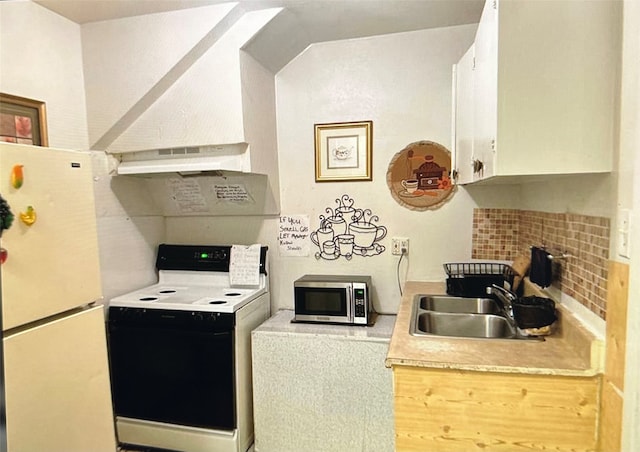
365 234
347 231
410 185
322 235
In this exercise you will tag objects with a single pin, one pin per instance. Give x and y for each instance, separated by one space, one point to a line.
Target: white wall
402 83
177 76
130 56
130 228
592 194
40 56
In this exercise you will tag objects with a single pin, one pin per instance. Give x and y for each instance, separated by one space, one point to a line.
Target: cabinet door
452 410
463 121
485 78
544 81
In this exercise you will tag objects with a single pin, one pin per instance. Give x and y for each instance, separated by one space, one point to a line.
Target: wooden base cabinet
451 410
613 385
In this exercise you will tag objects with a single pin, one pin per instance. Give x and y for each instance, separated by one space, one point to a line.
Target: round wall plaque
419 176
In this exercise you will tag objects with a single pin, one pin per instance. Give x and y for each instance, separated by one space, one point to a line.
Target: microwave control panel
359 303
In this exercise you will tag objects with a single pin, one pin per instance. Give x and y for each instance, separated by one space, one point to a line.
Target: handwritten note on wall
244 266
293 235
187 195
235 193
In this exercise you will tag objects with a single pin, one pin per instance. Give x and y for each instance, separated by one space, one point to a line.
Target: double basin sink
445 315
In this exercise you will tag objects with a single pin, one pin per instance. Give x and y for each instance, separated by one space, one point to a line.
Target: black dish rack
471 279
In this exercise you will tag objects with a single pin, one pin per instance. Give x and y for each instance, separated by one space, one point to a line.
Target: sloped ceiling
302 23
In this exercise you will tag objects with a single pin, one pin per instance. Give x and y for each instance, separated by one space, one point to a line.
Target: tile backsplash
505 234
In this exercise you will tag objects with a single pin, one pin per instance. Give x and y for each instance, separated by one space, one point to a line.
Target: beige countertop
281 324
571 350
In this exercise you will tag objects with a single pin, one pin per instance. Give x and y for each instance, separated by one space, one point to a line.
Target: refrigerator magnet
17 176
29 217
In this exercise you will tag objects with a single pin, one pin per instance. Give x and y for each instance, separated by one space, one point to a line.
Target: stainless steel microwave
333 299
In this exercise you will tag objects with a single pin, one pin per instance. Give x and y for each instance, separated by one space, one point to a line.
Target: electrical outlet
623 233
398 244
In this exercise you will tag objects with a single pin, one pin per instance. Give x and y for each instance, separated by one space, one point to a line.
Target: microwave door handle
350 304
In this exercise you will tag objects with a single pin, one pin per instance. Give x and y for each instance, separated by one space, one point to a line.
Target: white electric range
180 353
189 291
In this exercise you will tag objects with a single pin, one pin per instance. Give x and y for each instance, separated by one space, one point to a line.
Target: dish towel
540 272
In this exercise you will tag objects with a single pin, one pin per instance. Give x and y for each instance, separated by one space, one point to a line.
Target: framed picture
343 151
23 120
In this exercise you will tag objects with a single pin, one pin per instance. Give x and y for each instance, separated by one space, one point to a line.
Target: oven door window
176 376
321 301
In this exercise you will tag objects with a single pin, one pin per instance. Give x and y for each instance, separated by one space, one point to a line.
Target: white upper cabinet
463 121
544 90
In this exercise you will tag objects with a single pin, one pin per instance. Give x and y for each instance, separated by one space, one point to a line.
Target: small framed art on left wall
23 120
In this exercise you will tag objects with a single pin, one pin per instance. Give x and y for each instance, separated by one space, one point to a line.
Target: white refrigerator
58 395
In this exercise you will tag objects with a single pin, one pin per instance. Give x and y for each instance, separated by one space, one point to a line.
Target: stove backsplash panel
504 234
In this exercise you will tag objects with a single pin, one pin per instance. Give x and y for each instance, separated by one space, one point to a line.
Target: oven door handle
114 329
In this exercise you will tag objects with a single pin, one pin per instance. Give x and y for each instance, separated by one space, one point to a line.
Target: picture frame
23 120
343 151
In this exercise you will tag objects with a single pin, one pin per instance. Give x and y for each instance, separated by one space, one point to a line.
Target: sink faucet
506 297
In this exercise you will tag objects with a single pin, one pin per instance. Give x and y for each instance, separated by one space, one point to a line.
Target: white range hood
185 160
199 180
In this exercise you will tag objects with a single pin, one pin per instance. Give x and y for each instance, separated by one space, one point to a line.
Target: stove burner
148 298
168 291
233 294
217 302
